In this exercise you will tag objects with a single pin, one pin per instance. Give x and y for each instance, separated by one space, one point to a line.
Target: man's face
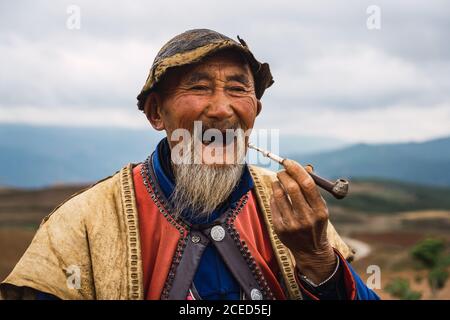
219 92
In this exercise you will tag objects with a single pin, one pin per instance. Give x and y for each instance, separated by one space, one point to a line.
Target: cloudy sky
334 76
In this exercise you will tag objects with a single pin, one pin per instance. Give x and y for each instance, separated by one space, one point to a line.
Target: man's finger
306 182
282 202
309 168
293 189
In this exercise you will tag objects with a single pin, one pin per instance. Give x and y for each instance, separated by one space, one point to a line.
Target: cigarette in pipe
339 188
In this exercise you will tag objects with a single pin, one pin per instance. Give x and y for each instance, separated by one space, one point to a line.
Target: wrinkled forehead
231 61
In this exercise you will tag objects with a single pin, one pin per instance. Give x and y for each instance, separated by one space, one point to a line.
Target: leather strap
198 240
189 262
236 263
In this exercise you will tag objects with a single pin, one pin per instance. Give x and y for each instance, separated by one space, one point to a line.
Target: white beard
201 188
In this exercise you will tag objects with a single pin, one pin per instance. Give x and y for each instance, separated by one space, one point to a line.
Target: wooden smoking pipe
339 188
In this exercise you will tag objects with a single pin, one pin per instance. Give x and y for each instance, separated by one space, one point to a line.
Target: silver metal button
217 233
255 294
195 238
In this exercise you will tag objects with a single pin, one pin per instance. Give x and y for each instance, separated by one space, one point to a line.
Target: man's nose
220 106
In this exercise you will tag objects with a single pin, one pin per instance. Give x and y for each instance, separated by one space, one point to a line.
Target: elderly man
175 228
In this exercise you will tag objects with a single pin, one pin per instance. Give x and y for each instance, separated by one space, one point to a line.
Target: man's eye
199 88
238 89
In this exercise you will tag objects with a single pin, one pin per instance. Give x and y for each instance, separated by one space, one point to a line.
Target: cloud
74 116
393 124
96 74
355 78
327 65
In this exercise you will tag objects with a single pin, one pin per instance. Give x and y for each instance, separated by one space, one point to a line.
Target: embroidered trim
173 267
134 250
245 252
156 195
280 250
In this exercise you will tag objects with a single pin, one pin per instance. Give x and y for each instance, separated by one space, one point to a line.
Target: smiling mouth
223 139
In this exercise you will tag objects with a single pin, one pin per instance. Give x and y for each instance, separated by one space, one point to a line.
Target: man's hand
300 219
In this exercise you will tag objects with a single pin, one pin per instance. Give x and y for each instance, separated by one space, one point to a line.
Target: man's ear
258 107
152 110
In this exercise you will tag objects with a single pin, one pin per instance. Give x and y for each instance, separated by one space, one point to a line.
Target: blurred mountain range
425 163
40 156
37 156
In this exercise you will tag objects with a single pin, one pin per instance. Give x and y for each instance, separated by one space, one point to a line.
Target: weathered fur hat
194 45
